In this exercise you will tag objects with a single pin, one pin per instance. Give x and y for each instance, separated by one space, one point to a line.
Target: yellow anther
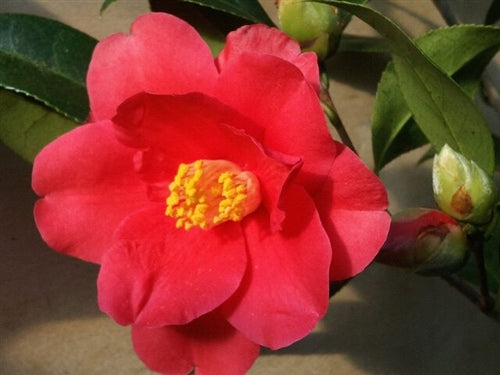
209 192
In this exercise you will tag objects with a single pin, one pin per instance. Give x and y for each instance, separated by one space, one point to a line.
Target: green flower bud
425 241
315 26
461 188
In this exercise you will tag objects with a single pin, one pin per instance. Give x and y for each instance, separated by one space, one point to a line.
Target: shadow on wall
37 284
402 324
25 6
412 15
408 183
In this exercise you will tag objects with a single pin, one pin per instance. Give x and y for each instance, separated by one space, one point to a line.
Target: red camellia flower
210 192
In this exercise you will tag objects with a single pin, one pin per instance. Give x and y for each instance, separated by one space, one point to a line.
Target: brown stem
482 298
486 302
471 294
464 288
331 112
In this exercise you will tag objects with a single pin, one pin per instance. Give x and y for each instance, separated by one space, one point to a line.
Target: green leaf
250 10
26 126
390 115
444 113
493 14
462 51
46 60
105 5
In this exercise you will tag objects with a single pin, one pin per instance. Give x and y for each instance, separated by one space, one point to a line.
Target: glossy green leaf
26 126
46 60
462 51
392 134
106 4
444 113
250 10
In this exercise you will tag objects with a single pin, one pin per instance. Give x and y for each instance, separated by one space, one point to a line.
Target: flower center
209 192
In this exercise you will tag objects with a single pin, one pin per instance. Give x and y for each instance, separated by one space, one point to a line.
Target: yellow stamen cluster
231 207
209 192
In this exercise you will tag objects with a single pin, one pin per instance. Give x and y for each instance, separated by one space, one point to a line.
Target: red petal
209 344
89 186
184 128
285 290
274 94
265 40
352 206
158 275
357 237
162 55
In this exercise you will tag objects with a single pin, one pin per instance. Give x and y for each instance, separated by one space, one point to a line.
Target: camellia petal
357 240
162 55
265 40
88 184
285 290
174 130
272 92
352 205
209 344
159 275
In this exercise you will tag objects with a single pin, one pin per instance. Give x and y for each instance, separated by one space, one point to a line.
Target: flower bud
461 188
425 241
315 26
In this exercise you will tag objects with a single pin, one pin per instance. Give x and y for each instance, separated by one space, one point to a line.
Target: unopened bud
315 26
461 188
425 241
